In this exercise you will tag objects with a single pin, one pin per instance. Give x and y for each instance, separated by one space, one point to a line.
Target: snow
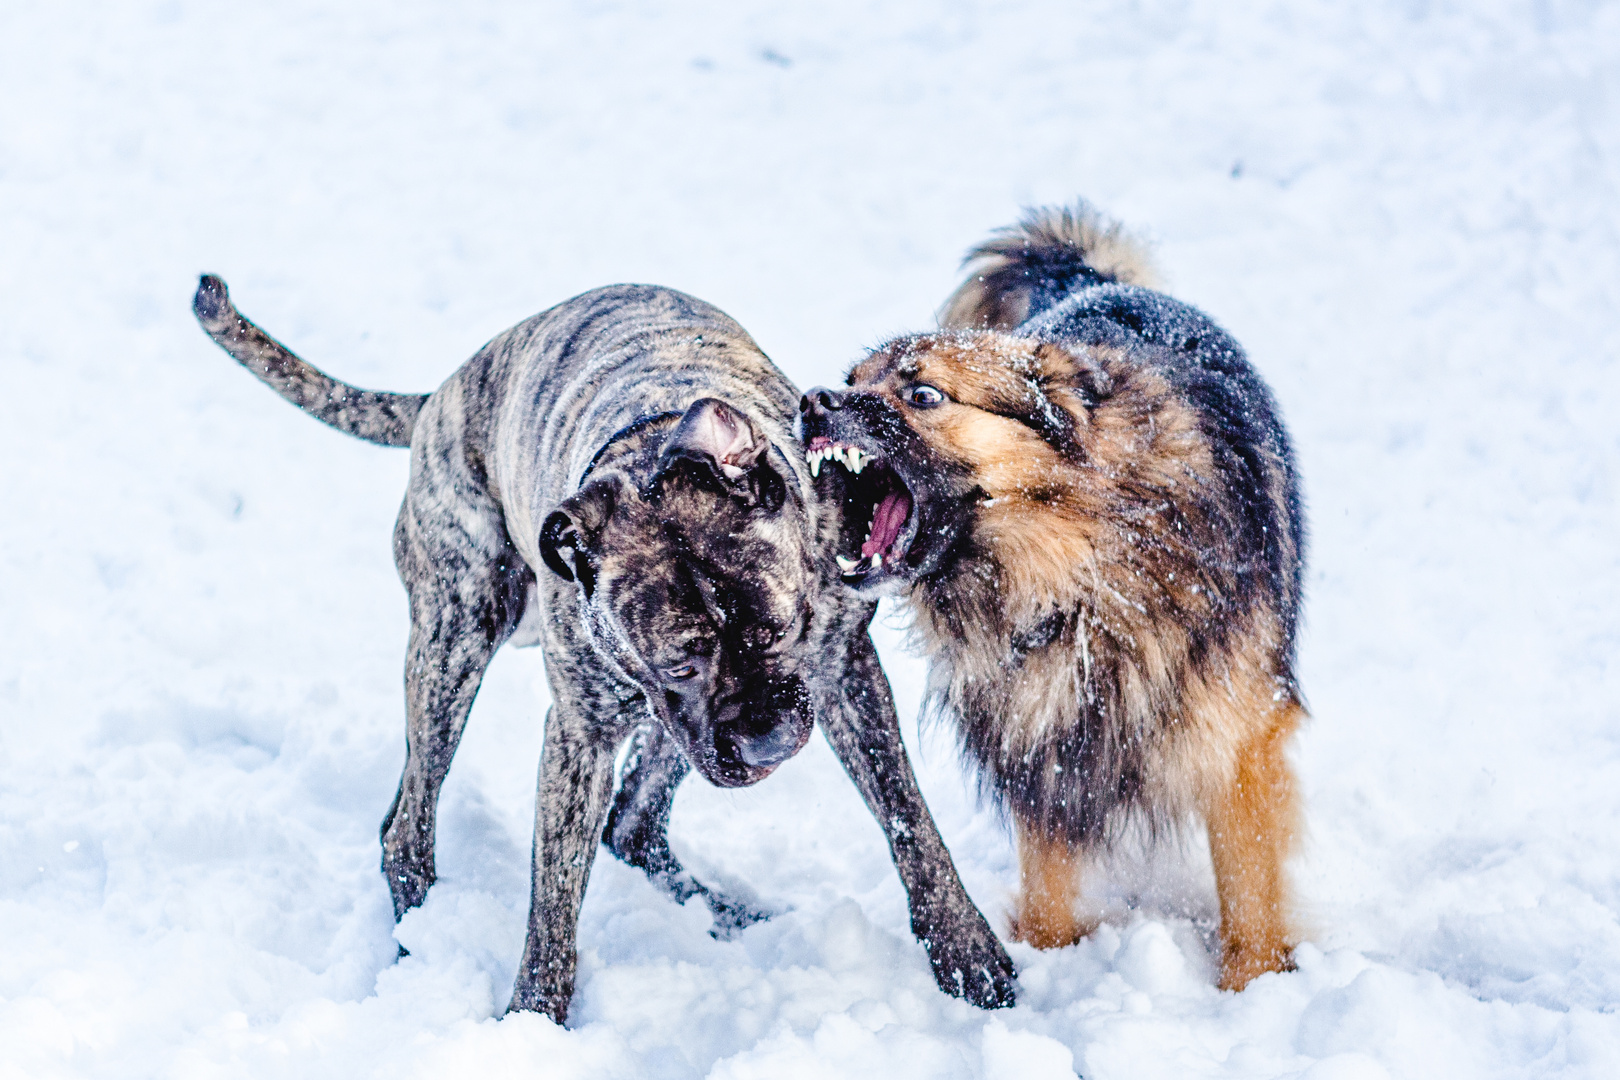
1404 208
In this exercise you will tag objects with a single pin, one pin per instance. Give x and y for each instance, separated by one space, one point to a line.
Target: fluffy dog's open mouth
879 523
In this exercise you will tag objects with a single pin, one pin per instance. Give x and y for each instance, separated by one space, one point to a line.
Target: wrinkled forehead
652 591
703 563
756 567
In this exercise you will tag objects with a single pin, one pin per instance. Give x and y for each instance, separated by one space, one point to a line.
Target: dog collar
623 433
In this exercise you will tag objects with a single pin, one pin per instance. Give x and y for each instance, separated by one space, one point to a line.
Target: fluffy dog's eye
924 395
683 671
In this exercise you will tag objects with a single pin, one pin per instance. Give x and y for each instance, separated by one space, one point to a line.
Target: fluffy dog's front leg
856 711
1049 880
576 783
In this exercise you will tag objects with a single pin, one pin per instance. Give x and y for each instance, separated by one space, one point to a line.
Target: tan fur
1049 887
1252 826
1047 518
1094 534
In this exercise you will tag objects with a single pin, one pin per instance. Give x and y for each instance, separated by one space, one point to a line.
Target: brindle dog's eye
684 671
925 395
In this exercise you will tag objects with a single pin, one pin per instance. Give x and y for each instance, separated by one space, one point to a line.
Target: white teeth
846 564
877 559
849 457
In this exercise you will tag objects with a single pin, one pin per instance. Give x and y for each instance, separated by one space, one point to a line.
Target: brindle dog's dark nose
819 399
766 749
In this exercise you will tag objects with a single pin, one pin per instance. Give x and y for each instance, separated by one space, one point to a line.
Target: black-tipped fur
1026 268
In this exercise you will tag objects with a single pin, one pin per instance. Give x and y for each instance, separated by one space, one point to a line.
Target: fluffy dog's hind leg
637 830
1049 886
1251 828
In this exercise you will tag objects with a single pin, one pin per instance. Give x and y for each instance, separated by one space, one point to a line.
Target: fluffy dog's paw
971 964
1241 964
1046 929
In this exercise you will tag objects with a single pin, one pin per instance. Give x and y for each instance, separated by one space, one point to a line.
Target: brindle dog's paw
732 917
972 965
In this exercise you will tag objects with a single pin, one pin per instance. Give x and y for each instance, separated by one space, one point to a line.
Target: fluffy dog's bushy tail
373 415
1026 268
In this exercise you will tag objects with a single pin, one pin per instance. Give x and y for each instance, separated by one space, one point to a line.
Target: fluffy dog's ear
1077 369
568 537
719 445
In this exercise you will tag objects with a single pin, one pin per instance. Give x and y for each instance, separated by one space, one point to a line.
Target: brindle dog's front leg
576 782
638 828
857 714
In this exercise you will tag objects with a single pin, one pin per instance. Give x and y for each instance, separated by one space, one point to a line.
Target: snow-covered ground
1406 210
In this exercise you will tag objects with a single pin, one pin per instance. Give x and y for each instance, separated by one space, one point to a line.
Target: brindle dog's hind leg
450 648
466 586
856 711
637 829
448 653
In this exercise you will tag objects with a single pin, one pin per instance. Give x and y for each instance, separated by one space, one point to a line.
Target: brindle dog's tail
1026 268
373 415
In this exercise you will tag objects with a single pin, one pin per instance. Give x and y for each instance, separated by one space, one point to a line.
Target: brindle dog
1088 499
616 479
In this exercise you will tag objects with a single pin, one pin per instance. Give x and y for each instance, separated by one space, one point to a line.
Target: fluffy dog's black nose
820 399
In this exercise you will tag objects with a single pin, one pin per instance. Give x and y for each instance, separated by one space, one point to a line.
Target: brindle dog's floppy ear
1077 369
568 537
717 445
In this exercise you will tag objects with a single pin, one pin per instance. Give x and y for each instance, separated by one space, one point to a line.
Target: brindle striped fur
1107 578
616 478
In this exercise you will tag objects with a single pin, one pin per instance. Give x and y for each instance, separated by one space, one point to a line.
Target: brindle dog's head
944 444
697 583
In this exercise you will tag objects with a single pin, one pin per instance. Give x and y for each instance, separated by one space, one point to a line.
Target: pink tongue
887 521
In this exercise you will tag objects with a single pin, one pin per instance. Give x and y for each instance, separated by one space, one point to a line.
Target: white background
1405 210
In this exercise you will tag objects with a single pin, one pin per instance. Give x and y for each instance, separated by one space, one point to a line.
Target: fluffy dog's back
1071 276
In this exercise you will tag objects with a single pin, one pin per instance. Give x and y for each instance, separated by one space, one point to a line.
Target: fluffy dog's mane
1113 599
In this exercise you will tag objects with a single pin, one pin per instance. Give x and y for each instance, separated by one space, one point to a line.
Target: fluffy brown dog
1085 494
